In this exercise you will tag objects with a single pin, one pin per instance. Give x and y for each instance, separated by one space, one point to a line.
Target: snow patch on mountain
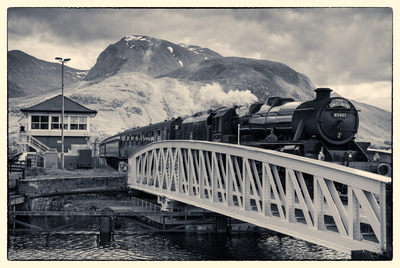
204 52
129 38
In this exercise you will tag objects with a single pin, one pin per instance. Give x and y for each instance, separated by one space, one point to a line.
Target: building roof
54 105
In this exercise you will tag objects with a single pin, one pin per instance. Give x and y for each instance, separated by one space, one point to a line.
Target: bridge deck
293 195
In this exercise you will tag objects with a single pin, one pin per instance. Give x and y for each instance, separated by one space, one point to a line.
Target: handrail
317 201
36 144
149 206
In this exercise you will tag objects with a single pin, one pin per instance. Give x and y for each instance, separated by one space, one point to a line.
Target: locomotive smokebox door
334 120
338 121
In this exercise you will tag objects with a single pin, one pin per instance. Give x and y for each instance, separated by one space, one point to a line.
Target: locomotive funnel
323 93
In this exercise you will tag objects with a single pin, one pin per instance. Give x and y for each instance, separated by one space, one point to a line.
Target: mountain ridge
28 76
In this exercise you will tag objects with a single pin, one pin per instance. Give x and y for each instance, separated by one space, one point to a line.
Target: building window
78 122
35 122
56 122
40 122
82 122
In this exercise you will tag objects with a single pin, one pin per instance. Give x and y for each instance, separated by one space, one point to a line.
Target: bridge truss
320 202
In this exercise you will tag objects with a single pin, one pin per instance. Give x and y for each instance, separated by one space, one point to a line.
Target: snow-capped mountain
148 55
141 80
28 76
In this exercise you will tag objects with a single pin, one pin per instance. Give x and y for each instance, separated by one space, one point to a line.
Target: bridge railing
320 202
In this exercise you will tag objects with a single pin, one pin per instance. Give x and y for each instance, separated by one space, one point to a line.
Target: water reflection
125 239
172 246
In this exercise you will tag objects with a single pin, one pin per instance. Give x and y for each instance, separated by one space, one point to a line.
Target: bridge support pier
221 224
364 255
105 231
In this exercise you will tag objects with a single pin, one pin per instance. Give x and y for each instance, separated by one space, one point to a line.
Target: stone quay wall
37 187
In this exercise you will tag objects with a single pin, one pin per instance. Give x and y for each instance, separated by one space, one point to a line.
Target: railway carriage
117 149
323 128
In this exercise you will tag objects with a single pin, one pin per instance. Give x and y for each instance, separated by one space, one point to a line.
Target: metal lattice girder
293 195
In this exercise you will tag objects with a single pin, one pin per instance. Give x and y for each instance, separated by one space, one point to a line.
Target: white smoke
212 95
185 99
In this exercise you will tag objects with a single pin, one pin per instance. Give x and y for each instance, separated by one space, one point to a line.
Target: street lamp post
62 107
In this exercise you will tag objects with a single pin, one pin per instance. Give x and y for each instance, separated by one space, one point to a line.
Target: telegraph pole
62 107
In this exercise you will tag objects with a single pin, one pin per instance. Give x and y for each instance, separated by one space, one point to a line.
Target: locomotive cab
223 125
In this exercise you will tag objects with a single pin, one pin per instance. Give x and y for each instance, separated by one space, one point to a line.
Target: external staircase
40 148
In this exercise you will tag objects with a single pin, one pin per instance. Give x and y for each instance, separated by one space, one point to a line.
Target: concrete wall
51 141
51 186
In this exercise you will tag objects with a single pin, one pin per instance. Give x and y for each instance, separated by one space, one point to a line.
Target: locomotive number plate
339 115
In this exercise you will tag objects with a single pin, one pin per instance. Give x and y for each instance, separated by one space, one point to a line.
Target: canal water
78 238
258 245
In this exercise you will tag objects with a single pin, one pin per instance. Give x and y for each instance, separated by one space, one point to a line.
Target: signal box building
43 130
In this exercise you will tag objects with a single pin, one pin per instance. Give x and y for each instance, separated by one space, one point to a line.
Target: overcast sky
347 49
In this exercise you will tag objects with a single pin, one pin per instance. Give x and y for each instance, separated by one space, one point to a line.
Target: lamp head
62 60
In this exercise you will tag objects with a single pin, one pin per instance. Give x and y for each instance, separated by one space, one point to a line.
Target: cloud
333 46
377 93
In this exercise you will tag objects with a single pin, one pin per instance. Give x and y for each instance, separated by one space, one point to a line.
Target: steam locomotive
323 128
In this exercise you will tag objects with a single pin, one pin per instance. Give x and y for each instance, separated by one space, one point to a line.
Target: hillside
136 100
263 78
375 124
28 76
